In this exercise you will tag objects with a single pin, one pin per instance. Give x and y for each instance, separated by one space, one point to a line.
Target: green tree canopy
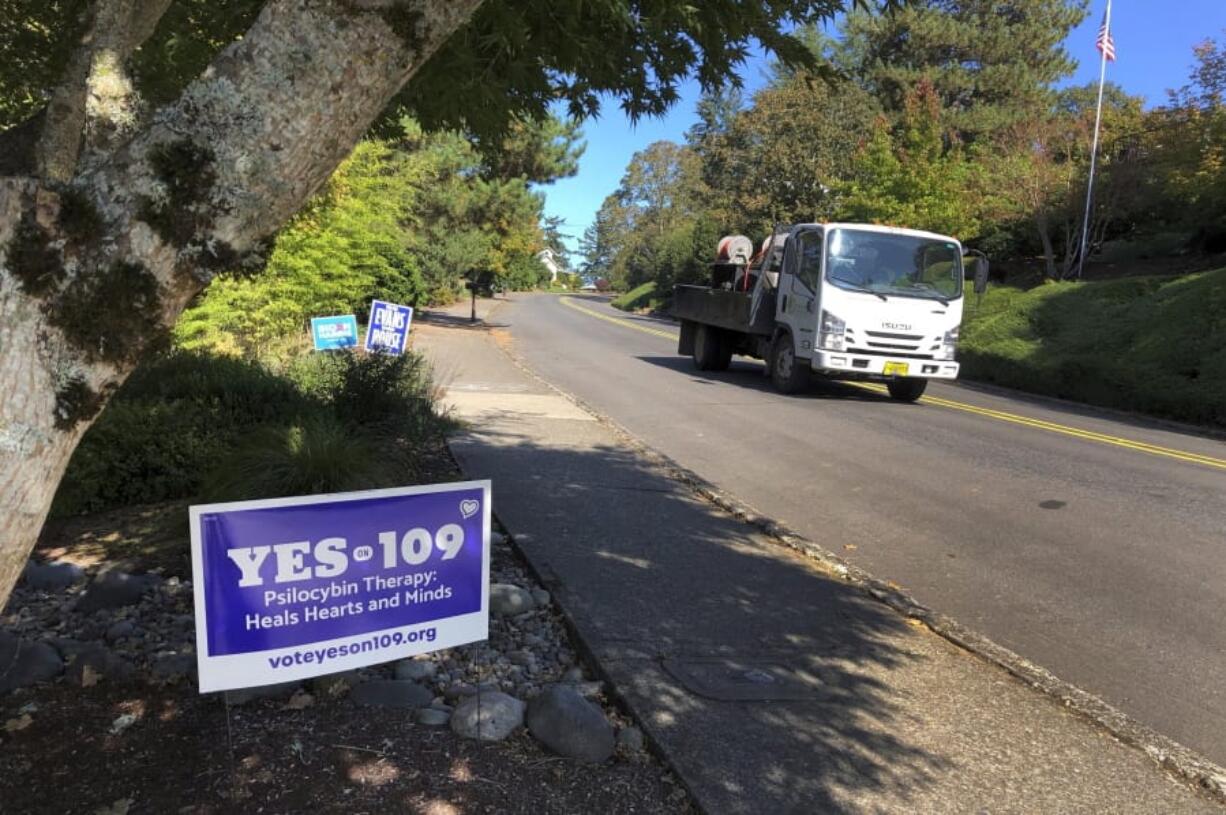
991 63
782 158
904 176
511 62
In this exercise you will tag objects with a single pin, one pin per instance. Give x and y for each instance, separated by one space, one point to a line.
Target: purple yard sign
290 588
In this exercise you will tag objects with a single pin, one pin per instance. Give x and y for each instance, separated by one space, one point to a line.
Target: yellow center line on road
999 415
616 320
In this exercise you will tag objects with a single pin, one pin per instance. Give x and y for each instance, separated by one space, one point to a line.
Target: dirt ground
144 747
180 754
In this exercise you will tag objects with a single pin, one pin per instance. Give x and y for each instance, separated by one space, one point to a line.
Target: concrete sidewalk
770 686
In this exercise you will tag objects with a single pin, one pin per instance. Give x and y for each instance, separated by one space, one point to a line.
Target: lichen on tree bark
272 117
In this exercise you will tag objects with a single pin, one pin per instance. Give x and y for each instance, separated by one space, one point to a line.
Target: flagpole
1098 117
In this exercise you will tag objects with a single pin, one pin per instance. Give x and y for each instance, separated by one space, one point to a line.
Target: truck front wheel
712 350
788 373
907 389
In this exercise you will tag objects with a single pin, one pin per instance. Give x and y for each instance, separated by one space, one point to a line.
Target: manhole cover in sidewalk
742 680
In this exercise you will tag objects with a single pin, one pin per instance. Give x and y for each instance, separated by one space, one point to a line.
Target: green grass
638 299
319 455
1154 345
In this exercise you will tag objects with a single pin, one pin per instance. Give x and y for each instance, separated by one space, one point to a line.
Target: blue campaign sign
388 329
290 588
331 333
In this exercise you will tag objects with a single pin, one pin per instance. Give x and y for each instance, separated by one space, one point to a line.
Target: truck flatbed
721 308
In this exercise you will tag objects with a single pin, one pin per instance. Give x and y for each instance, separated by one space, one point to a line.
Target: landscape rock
392 693
173 586
120 630
415 669
242 696
432 717
488 716
520 657
587 689
541 597
458 691
173 666
68 648
507 600
333 685
54 576
115 589
104 663
630 740
570 725
22 663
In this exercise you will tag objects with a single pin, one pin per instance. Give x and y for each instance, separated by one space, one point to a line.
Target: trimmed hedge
1154 345
642 297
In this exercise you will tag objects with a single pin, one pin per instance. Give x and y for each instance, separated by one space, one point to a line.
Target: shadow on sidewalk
773 687
444 320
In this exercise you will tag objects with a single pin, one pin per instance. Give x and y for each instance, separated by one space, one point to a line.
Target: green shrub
167 425
1147 344
138 453
319 455
372 390
642 297
236 390
189 416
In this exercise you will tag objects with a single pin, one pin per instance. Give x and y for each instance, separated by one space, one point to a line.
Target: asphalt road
1090 544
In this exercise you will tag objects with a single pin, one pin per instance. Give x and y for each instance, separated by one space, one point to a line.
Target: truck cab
844 301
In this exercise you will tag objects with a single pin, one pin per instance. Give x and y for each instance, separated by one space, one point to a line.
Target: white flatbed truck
843 301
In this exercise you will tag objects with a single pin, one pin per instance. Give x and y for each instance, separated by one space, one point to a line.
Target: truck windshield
894 265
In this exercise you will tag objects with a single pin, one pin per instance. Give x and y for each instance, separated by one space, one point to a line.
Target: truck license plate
895 369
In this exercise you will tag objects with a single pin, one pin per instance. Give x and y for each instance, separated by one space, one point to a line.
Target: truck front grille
883 352
885 336
892 346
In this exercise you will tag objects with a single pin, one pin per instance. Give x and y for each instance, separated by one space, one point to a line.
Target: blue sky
1153 40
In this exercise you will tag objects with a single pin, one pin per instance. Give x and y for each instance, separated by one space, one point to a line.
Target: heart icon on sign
469 507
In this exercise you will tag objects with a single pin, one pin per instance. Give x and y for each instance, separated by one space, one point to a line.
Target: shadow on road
751 374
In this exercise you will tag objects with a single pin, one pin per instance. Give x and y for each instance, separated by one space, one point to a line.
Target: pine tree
992 63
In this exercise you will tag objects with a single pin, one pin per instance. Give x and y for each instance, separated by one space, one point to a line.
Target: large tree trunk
93 267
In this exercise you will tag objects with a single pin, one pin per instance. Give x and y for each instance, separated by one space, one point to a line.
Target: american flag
1105 43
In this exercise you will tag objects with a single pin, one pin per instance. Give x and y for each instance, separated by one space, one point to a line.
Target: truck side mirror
981 275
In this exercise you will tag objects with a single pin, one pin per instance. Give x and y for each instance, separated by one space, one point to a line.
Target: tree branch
199 187
95 98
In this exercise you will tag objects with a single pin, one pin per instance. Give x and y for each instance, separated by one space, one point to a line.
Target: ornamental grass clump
319 455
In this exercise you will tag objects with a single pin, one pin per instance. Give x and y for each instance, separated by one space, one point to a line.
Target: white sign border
215 673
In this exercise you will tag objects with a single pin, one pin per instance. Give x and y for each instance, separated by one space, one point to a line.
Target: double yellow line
999 415
1066 430
617 321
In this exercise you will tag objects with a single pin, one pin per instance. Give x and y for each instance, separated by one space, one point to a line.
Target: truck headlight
830 332
949 345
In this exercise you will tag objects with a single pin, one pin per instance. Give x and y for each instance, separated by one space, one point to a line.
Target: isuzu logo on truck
896 326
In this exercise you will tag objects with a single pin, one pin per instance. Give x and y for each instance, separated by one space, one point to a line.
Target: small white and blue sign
290 588
388 330
333 333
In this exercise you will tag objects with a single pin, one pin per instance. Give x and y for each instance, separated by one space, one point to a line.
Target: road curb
1180 762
